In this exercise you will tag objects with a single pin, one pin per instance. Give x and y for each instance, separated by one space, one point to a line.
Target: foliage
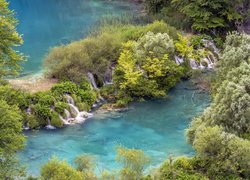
55 120
133 161
210 15
60 106
217 134
154 6
154 44
66 87
224 153
181 168
183 46
55 169
14 97
86 164
97 53
74 61
11 140
144 68
10 59
236 50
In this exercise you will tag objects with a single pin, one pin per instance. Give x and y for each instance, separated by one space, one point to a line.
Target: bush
66 87
55 120
97 53
88 97
83 107
181 168
144 68
32 121
60 106
59 170
14 97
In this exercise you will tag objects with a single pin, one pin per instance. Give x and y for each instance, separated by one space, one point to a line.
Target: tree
11 140
154 6
10 59
55 169
133 161
221 134
210 15
86 164
145 67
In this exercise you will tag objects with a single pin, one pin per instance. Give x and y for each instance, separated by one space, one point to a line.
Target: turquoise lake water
157 127
47 23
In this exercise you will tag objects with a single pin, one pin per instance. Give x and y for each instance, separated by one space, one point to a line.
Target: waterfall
92 80
69 99
28 111
193 64
210 64
49 126
210 45
67 113
179 60
65 122
108 76
74 115
201 66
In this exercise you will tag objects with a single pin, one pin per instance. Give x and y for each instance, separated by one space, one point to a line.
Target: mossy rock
32 121
55 120
83 107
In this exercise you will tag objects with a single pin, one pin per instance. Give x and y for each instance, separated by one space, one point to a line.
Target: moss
32 121
60 106
55 120
83 106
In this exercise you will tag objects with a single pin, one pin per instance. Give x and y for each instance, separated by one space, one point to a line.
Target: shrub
60 106
32 121
83 106
133 161
55 120
59 170
88 97
98 52
66 87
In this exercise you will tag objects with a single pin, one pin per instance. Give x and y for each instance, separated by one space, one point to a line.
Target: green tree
133 161
55 169
86 164
154 6
145 68
11 140
10 59
210 15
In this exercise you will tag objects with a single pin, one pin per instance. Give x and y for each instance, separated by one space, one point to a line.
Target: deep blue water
157 127
47 23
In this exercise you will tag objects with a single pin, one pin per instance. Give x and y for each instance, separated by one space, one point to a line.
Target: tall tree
210 15
11 140
10 58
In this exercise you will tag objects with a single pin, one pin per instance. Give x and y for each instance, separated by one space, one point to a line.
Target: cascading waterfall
179 60
108 76
209 59
49 126
92 80
74 116
193 64
211 46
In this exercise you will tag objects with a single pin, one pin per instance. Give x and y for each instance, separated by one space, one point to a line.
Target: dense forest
123 61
